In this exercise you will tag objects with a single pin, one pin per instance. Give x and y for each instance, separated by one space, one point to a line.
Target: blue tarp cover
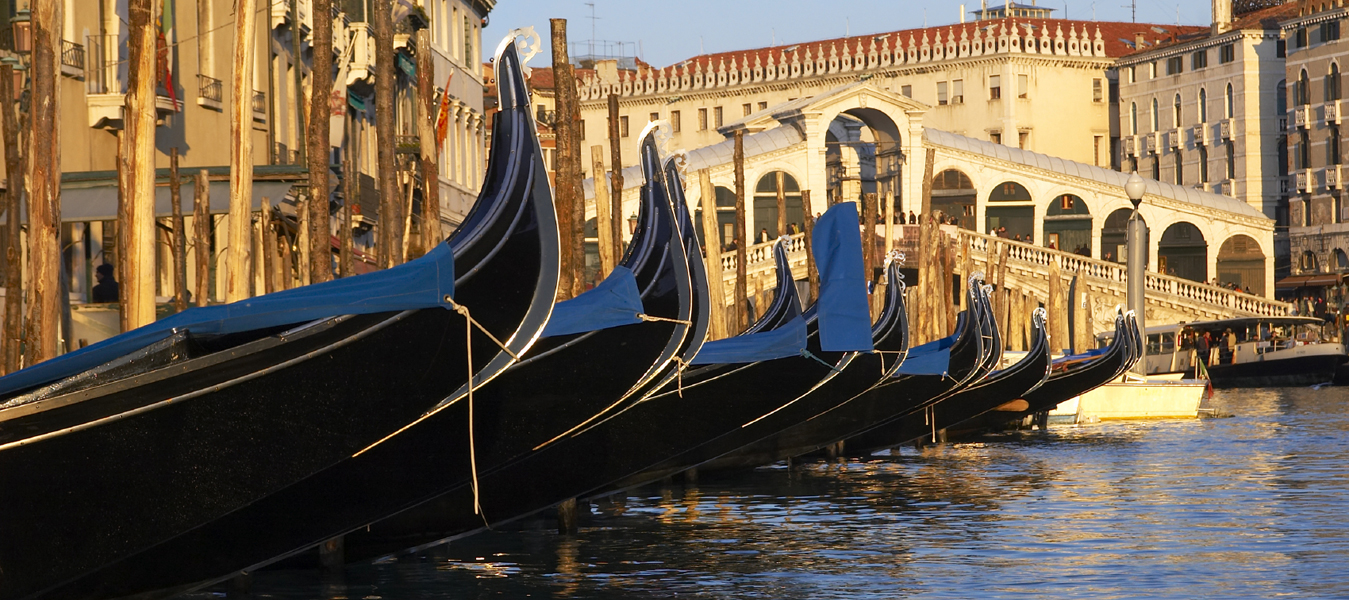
845 319
932 358
615 301
421 283
788 340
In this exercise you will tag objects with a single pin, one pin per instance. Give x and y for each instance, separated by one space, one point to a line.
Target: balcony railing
259 106
407 144
72 58
211 89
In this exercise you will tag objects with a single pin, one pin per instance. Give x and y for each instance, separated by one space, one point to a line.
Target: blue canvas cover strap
426 282
788 340
845 318
614 302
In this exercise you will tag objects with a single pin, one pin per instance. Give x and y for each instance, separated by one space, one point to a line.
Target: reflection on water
1250 506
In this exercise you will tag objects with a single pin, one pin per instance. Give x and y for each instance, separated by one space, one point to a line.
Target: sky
666 32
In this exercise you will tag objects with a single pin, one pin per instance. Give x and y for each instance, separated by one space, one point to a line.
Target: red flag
443 116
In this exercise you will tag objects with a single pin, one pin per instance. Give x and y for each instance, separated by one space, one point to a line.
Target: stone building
1318 223
193 100
1205 109
1023 80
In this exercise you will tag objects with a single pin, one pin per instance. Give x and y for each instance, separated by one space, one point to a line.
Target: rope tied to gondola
649 318
680 365
882 354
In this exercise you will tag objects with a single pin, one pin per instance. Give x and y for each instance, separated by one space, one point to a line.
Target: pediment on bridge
853 96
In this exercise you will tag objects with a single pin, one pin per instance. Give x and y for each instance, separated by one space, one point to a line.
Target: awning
1300 281
99 202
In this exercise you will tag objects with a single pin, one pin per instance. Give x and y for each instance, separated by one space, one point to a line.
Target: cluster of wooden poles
30 332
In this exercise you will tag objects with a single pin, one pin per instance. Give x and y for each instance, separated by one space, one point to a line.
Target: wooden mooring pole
562 191
717 327
179 235
812 272
201 235
604 221
44 174
569 158
744 234
615 172
390 201
430 154
320 143
12 338
241 156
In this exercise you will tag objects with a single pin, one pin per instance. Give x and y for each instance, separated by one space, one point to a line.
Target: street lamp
22 23
1138 252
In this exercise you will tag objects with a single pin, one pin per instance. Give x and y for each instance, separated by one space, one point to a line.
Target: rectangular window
958 91
941 93
994 87
1330 31
654 117
1300 38
1022 86
468 40
1199 60
581 130
1114 90
716 117
1228 53
1021 138
747 109
906 91
674 121
1097 94
1152 70
763 106
702 119
1133 74
1281 49
1066 202
1174 65
1203 164
623 126
996 137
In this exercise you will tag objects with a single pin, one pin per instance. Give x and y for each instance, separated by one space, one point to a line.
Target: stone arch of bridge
894 122
1240 260
1182 251
953 193
1067 223
1010 205
765 201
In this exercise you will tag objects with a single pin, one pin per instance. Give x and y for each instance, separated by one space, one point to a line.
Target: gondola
863 371
999 388
1070 376
101 465
928 372
562 384
692 409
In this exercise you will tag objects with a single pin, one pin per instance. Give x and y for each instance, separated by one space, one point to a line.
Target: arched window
1180 168
1304 85
1203 106
1175 112
1333 83
1133 118
1333 146
1281 99
1228 112
1156 125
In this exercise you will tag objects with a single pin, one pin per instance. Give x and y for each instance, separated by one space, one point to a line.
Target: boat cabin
1172 349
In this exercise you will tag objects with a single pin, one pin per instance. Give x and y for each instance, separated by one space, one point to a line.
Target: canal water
1255 505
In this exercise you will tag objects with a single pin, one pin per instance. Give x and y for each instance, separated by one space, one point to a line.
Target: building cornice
1314 19
1188 47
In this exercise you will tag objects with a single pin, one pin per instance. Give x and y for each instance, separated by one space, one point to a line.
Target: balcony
362 65
1332 112
1201 133
1226 188
1302 116
1333 179
1304 180
283 155
1283 124
1225 129
210 92
259 107
281 14
407 144
72 59
1175 138
1150 142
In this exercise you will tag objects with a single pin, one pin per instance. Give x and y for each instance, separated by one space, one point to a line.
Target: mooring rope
472 446
680 365
807 354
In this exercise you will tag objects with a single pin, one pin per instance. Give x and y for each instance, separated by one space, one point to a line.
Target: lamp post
1138 252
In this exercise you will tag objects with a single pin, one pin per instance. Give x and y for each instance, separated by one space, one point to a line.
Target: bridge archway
766 203
1341 260
863 155
1241 261
1115 235
1010 206
1183 252
953 193
1067 225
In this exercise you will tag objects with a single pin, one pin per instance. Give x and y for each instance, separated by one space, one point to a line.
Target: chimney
1139 42
962 14
1222 16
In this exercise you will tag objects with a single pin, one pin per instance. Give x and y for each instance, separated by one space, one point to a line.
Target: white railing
1117 276
760 256
1332 110
1302 116
1333 177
